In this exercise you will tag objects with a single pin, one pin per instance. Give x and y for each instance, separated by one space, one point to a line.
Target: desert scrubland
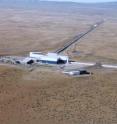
44 96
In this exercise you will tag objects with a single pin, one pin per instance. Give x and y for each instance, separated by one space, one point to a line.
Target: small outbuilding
26 61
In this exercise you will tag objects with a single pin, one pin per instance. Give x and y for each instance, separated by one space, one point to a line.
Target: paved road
75 66
78 37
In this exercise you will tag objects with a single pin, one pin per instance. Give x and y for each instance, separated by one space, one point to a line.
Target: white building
49 58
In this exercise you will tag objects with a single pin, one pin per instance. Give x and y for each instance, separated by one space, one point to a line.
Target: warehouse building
49 58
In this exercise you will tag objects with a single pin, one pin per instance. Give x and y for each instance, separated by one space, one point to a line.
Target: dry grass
22 31
55 98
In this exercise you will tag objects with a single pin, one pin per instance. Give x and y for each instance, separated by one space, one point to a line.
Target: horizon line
78 2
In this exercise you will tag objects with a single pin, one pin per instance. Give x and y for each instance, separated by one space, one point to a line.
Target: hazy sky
87 0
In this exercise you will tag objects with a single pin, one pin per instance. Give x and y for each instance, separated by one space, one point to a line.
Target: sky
87 1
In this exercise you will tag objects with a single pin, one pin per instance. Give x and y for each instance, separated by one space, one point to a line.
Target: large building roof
48 56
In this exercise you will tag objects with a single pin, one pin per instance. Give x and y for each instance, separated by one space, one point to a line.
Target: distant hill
38 2
54 5
106 4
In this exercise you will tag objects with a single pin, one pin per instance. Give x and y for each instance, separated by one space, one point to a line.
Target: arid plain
44 96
